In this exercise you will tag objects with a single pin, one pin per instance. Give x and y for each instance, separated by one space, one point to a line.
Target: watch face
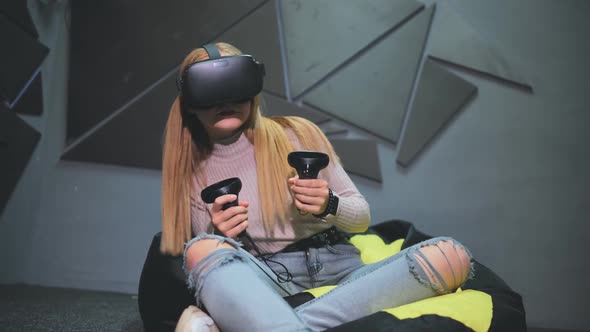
333 204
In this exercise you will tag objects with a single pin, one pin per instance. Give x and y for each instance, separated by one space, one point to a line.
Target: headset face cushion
221 80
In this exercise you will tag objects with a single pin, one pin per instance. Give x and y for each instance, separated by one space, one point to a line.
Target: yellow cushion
319 291
373 248
471 307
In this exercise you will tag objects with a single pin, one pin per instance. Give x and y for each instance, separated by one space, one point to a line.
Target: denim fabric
242 293
318 267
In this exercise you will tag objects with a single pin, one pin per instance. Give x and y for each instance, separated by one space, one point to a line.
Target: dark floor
33 308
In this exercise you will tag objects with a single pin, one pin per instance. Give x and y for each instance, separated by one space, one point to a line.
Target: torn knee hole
197 250
444 265
223 254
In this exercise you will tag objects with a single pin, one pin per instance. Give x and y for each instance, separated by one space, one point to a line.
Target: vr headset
220 79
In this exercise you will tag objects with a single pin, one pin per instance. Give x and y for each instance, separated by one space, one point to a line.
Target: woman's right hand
232 221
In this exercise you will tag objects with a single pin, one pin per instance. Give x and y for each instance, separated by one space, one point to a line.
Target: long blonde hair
186 148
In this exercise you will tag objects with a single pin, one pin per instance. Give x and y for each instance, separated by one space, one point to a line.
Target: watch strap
332 206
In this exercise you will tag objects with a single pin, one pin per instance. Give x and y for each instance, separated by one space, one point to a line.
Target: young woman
215 131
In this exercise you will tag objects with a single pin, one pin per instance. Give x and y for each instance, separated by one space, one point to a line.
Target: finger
307 207
221 200
311 183
236 229
291 193
310 200
234 232
230 223
222 216
317 192
236 220
243 203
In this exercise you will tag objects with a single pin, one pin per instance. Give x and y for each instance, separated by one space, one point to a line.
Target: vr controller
306 163
220 79
226 187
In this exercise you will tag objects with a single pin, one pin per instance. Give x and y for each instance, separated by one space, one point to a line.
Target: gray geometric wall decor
455 41
17 12
120 48
31 102
116 140
132 137
20 60
278 106
332 129
350 60
17 143
372 92
322 35
359 157
439 96
258 35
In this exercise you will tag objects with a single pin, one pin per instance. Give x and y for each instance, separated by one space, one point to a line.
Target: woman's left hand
309 195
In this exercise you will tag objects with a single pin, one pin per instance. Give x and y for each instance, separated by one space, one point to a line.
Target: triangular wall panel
17 142
20 61
321 35
132 137
31 102
258 35
17 12
372 92
455 41
331 129
439 96
120 48
359 157
274 106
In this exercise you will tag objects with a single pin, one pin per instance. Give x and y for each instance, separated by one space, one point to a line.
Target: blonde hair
185 149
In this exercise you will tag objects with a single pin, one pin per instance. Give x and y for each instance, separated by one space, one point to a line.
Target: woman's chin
226 129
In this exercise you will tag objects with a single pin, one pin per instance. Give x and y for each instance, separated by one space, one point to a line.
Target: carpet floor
34 308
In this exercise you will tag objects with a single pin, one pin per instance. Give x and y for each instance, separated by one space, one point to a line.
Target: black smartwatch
332 206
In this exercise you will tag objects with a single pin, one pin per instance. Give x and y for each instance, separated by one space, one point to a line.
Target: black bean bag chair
484 303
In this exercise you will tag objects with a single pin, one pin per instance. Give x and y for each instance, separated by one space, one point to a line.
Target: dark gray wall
508 176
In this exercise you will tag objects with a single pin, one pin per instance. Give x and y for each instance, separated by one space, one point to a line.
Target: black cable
280 277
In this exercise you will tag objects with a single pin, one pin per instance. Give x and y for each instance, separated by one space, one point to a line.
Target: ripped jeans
241 293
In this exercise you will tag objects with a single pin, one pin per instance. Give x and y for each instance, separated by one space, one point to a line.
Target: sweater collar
232 148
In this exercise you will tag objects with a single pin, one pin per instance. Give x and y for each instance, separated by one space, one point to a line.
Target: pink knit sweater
236 159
